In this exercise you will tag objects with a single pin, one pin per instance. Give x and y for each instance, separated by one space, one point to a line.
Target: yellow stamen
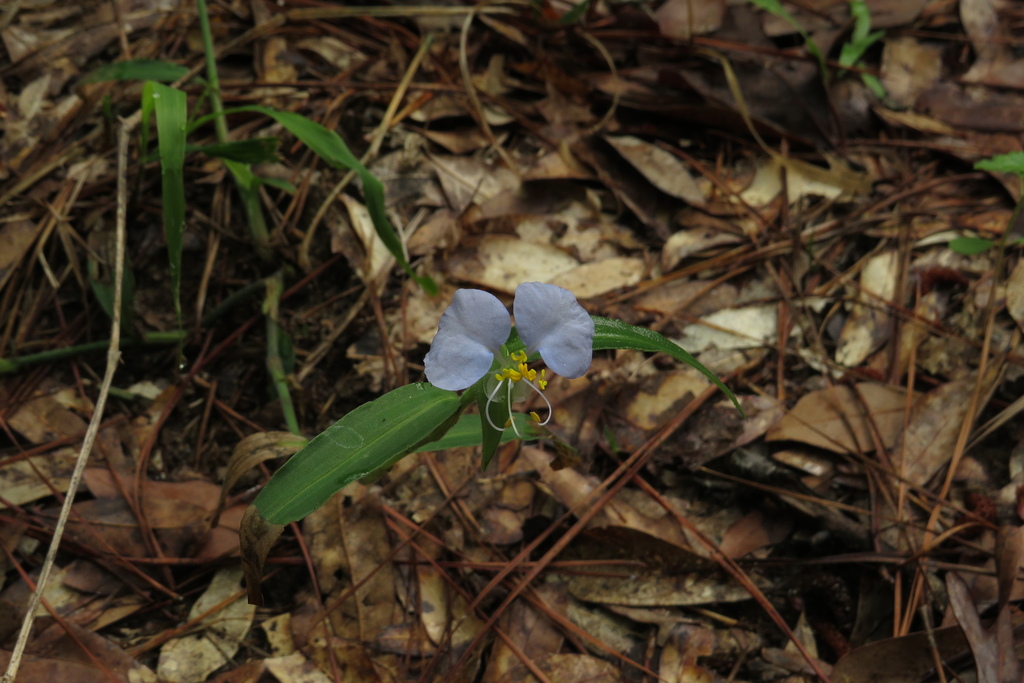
535 416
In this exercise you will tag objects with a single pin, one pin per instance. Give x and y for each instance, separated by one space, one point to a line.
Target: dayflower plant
475 348
471 344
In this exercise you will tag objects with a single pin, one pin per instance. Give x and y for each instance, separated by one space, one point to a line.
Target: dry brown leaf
899 660
868 326
574 490
1015 294
109 524
15 239
590 280
458 141
278 632
691 242
466 180
191 659
661 396
501 262
48 670
909 68
653 588
361 536
844 420
993 648
930 435
732 328
530 632
295 668
663 169
685 18
754 531
253 450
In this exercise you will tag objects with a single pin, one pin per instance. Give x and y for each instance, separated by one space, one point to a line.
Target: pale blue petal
469 336
551 321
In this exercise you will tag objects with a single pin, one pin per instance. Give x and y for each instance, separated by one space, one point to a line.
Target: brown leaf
1009 553
842 419
899 660
662 169
928 441
685 18
993 648
1015 294
867 326
753 531
256 537
250 452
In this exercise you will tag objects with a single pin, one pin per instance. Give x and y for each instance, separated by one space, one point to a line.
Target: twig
113 357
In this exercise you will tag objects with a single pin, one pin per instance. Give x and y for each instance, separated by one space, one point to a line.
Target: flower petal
469 336
550 320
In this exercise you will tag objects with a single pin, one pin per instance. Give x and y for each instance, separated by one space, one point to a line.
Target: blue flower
473 330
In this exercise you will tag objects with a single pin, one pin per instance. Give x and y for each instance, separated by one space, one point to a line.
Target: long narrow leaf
329 146
171 107
370 438
615 334
253 151
138 70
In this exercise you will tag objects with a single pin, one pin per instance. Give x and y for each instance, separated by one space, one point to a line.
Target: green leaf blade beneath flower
367 440
615 334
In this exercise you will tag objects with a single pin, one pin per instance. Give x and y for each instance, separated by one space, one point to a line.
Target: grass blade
171 108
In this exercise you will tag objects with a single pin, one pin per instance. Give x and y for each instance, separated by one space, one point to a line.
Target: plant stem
275 364
243 180
12 365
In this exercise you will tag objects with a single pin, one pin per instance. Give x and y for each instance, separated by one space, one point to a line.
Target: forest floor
788 195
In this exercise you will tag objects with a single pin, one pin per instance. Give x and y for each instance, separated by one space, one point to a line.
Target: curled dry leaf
250 452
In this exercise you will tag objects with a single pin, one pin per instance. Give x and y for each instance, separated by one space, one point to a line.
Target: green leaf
467 432
615 334
573 15
490 438
255 151
138 70
103 290
369 439
775 7
278 183
1012 162
171 107
331 148
969 246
